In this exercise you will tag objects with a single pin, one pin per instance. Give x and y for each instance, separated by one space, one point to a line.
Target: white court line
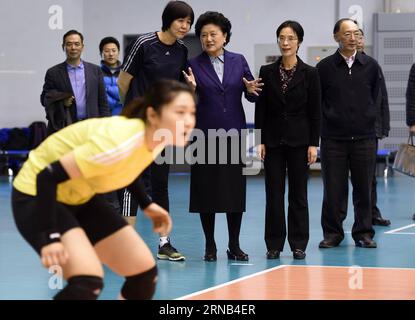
354 266
241 264
280 267
399 229
229 283
404 233
17 71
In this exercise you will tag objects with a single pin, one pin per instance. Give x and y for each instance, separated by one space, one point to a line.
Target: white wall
30 46
396 6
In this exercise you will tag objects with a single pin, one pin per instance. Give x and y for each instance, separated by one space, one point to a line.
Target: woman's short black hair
107 40
216 18
297 28
176 10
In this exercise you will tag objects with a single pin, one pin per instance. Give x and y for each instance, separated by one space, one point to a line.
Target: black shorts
96 217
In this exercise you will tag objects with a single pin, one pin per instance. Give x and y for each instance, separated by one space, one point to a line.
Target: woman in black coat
288 114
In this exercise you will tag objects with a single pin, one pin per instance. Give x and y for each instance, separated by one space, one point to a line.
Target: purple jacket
220 104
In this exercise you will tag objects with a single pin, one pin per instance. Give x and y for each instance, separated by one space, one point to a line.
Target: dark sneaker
168 252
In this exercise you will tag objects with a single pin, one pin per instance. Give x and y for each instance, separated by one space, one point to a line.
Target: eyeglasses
356 34
288 39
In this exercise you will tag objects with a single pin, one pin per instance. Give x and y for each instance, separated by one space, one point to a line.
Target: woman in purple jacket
219 78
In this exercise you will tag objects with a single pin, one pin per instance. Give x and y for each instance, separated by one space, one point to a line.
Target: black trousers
374 195
278 161
338 157
156 182
375 210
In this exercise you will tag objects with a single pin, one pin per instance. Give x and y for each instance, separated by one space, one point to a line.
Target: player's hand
54 254
161 220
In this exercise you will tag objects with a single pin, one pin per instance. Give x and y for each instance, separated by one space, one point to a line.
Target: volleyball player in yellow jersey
56 202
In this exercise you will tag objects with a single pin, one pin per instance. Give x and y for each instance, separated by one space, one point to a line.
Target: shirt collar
349 59
71 67
220 57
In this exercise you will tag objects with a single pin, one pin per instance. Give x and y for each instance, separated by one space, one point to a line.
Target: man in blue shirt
73 90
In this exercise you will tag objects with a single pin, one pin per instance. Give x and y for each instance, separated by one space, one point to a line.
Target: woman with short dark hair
288 113
220 77
151 57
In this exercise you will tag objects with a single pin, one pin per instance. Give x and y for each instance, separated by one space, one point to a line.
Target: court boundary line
399 229
281 267
352 266
403 233
230 282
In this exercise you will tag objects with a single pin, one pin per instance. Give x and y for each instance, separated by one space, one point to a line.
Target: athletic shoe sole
165 257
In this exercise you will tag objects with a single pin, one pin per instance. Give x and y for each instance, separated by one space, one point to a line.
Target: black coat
57 80
57 113
410 98
292 118
382 123
349 97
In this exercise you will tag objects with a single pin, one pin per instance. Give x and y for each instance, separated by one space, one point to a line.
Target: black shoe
379 221
299 254
273 254
327 244
237 255
413 217
366 243
210 256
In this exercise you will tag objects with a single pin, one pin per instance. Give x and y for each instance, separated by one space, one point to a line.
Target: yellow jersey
110 153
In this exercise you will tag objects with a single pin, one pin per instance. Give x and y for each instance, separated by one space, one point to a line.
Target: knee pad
140 286
81 288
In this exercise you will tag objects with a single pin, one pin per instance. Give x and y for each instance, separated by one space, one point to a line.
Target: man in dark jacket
410 104
410 100
78 79
350 85
382 126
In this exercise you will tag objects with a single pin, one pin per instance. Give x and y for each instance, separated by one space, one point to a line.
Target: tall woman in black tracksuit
288 113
